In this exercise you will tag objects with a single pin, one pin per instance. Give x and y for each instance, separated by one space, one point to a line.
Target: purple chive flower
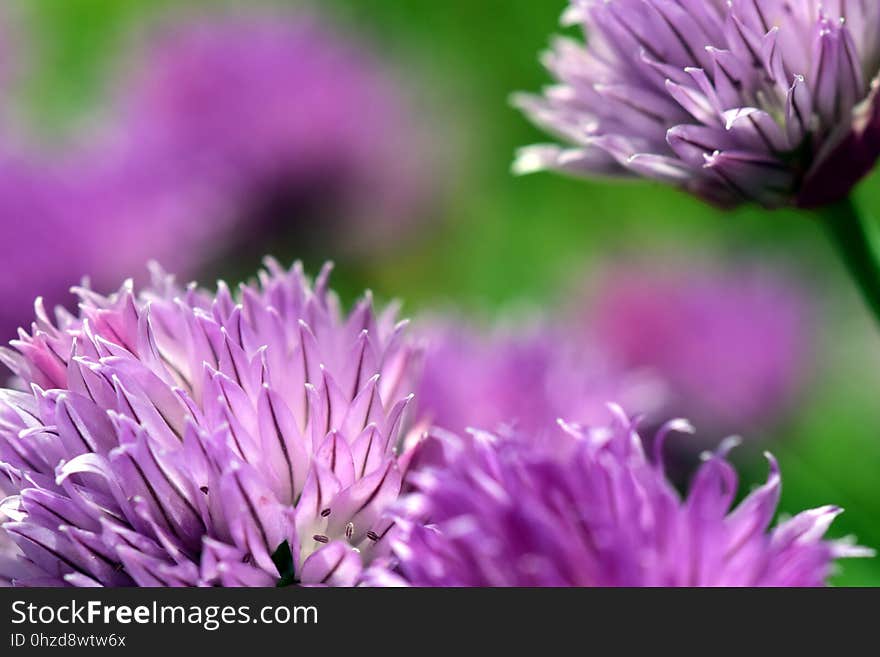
508 512
56 232
732 346
522 378
42 251
228 133
772 101
266 126
180 437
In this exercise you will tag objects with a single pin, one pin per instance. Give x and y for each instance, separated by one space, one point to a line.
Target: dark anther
373 536
204 489
325 513
321 538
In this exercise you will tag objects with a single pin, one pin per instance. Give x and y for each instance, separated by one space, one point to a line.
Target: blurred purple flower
770 101
509 512
42 249
521 379
187 438
268 127
54 231
228 134
732 347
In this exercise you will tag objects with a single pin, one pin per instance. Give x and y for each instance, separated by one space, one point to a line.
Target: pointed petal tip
531 159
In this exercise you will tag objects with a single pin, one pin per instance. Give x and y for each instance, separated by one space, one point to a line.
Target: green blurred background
498 240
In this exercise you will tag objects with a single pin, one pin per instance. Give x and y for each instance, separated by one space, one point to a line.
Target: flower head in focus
771 101
181 437
509 512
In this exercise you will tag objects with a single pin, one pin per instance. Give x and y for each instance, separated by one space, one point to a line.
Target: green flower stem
857 241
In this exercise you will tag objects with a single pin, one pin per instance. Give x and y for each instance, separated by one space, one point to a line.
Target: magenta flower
42 250
186 438
731 346
268 126
228 133
770 101
726 347
509 512
522 378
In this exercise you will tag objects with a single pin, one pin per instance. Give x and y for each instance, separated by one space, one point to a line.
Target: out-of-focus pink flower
43 250
732 345
269 126
230 134
522 377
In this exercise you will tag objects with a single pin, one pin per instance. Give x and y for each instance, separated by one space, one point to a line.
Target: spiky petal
179 437
510 512
769 101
